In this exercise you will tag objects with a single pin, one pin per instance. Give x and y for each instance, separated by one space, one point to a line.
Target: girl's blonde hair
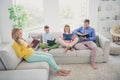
68 27
14 35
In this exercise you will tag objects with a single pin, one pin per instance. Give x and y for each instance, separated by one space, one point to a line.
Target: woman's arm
19 49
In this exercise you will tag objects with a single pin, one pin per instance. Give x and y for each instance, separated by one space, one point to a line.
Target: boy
48 40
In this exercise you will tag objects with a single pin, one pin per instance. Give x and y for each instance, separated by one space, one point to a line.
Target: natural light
70 12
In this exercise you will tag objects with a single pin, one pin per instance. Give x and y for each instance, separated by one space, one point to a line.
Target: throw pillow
97 41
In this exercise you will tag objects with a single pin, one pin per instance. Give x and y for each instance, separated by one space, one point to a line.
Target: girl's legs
62 42
74 42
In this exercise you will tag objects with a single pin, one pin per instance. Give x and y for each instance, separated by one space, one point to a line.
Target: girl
67 40
24 50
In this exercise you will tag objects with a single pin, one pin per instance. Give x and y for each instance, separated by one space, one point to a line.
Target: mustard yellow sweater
22 51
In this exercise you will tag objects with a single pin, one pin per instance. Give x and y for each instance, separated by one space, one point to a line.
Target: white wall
51 9
93 12
5 22
51 15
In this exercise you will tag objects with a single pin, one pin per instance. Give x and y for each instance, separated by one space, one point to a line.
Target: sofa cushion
97 41
33 74
87 52
36 36
9 58
60 52
35 65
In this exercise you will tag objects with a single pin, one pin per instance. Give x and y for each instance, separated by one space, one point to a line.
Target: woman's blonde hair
14 35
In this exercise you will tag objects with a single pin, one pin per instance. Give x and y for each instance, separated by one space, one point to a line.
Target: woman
24 50
67 40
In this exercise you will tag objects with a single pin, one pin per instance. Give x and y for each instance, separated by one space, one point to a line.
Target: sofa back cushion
9 57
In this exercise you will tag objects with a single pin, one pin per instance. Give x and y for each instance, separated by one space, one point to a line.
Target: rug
105 71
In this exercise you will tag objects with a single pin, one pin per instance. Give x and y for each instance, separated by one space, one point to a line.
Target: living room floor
105 71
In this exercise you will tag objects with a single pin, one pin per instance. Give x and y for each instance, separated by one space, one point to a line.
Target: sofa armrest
105 45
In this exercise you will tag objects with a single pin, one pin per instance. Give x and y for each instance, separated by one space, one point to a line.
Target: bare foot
59 73
65 71
46 49
66 49
94 66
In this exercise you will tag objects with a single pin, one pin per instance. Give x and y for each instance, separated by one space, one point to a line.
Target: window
35 11
73 12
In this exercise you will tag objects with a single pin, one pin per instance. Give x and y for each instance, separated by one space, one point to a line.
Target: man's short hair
87 20
46 27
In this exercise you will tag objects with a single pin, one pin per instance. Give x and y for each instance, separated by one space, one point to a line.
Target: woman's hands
30 45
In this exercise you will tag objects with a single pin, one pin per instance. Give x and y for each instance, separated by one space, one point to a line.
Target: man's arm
77 30
93 37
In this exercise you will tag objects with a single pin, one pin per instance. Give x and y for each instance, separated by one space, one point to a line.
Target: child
67 40
48 42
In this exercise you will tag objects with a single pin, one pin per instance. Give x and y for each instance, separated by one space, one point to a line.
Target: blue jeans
43 57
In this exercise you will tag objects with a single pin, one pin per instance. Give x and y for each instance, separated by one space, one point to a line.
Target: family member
24 50
48 40
86 42
67 40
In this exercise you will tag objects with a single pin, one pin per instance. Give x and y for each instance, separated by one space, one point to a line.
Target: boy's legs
56 45
42 45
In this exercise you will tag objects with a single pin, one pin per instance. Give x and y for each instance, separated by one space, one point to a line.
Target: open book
67 36
83 35
35 43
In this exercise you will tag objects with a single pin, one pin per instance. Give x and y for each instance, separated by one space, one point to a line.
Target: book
83 35
51 42
35 43
67 36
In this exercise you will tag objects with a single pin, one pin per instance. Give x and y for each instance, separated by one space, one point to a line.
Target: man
48 40
86 42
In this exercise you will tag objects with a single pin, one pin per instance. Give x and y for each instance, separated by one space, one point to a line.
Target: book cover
35 43
67 36
83 35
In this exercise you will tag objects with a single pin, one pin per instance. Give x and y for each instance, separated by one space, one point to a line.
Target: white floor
105 71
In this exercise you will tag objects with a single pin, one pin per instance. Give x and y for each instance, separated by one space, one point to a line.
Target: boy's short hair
87 20
46 27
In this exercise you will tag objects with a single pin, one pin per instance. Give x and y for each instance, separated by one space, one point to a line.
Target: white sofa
78 56
13 68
